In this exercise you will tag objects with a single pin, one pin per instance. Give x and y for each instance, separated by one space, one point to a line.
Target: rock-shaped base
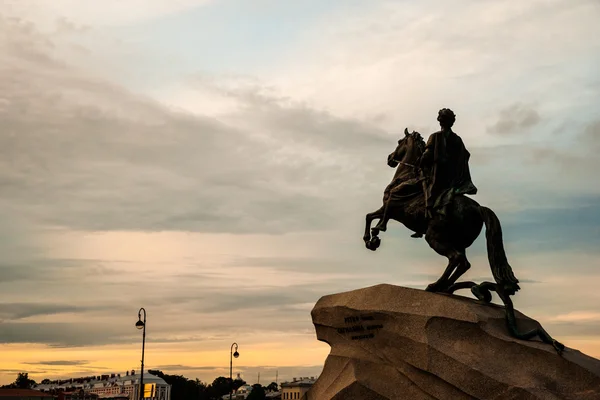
390 342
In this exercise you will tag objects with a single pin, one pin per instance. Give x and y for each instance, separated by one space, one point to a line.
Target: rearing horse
450 235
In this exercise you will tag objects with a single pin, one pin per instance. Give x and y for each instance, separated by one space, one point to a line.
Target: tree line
182 388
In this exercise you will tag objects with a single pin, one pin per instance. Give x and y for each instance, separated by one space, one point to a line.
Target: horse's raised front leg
382 225
369 220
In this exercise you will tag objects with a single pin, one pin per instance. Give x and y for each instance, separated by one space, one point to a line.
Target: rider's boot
428 215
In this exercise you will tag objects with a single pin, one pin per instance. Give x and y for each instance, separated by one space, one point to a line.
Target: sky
213 160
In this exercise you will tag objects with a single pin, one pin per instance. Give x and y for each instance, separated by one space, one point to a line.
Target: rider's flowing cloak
450 174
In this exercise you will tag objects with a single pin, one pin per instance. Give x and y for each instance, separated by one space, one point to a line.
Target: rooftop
104 381
304 381
22 393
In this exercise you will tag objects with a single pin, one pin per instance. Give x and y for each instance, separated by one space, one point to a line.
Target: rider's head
446 118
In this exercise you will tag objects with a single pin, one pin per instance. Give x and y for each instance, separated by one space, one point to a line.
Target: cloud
388 51
272 293
15 311
66 26
85 334
112 12
546 227
577 157
515 119
59 362
577 316
59 334
179 367
591 134
572 329
190 310
29 268
104 159
30 371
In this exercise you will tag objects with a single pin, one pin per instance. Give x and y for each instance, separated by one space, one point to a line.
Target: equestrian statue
428 194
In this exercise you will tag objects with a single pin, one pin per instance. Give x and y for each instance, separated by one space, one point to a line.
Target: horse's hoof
432 287
373 244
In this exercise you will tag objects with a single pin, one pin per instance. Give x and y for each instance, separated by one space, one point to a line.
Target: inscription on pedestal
360 327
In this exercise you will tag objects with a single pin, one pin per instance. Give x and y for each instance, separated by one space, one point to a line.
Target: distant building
76 395
105 387
297 388
240 394
244 391
24 394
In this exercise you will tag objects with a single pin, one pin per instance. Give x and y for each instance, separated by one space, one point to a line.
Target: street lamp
142 325
231 355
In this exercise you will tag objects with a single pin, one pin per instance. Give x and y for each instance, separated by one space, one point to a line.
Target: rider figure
445 173
445 164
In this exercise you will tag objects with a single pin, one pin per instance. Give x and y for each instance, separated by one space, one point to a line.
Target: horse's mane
419 140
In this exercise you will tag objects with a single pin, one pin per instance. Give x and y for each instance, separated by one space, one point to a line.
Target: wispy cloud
15 311
59 362
577 316
516 119
112 13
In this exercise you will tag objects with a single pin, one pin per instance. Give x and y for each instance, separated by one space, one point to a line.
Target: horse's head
409 149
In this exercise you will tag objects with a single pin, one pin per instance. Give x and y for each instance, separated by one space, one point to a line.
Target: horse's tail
501 269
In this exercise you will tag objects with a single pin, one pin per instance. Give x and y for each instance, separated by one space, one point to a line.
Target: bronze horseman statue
428 195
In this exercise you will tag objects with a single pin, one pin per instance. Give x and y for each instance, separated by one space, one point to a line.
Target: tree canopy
257 393
183 388
22 382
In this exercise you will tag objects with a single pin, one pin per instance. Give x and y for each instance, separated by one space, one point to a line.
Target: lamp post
142 325
231 355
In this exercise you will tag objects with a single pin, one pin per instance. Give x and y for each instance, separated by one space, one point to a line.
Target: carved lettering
361 337
357 331
351 329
